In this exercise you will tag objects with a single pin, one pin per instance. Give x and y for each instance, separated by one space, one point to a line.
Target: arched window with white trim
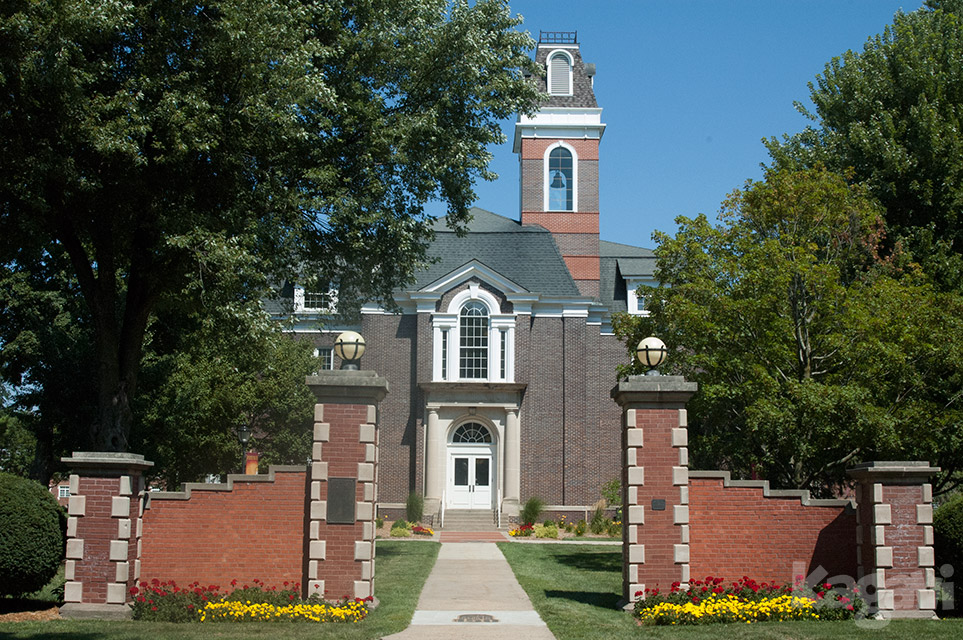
561 188
473 341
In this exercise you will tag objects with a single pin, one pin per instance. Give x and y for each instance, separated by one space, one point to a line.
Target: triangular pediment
473 269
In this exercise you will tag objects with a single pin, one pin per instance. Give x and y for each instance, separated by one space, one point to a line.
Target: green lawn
402 569
575 589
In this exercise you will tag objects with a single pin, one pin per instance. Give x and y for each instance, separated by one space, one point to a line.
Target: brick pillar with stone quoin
894 537
103 532
655 496
343 484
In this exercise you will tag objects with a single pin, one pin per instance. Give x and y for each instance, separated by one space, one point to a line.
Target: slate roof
582 94
526 255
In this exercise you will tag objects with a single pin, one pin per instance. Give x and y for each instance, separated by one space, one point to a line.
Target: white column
434 459
513 457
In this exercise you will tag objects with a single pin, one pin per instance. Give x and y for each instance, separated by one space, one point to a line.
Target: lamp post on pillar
655 476
344 475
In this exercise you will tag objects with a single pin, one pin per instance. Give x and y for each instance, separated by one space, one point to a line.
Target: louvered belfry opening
561 75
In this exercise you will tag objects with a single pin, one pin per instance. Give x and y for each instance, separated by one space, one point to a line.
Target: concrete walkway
471 582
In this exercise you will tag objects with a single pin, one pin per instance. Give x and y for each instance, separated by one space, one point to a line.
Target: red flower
153 608
133 591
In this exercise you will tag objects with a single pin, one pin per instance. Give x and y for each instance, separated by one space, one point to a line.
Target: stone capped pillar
655 481
103 531
894 537
344 484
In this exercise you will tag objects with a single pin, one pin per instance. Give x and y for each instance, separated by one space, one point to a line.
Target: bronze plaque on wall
341 500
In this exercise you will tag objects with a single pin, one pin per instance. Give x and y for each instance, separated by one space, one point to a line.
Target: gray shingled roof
526 255
582 94
619 261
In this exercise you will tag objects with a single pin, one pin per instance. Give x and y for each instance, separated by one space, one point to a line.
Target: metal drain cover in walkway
475 617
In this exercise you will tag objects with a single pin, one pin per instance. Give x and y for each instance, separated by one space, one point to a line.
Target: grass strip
402 568
575 589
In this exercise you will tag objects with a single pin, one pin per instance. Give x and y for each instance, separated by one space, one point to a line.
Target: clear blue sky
688 88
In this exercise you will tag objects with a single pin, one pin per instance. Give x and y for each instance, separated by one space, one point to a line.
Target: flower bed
166 602
746 601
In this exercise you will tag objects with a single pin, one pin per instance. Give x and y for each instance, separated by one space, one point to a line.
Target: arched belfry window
559 74
472 433
560 182
473 341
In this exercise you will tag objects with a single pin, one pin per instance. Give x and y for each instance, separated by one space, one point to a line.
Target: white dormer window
560 73
311 301
473 341
635 302
325 356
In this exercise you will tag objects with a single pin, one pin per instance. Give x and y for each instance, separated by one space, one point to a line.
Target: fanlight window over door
472 433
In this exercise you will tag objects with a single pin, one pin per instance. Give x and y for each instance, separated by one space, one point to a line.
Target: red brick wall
737 531
255 530
905 537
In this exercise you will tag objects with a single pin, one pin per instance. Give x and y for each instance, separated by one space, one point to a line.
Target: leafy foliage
414 507
811 350
893 114
150 149
948 532
31 535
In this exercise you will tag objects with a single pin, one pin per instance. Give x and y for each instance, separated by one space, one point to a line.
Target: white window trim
632 298
317 354
571 71
497 323
546 177
299 302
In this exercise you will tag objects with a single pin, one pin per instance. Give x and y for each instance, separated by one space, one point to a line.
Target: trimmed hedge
31 535
948 532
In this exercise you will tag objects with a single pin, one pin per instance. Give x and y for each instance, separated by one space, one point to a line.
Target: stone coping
653 390
893 471
801 494
107 461
224 486
348 387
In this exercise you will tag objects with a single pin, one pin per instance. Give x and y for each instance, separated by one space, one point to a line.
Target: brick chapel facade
501 363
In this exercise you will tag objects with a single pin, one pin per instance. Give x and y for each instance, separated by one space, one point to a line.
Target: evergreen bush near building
948 533
532 510
31 535
414 507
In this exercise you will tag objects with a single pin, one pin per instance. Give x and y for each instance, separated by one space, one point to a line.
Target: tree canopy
812 349
164 154
892 115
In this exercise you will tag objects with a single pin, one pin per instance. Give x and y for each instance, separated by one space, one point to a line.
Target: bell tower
558 151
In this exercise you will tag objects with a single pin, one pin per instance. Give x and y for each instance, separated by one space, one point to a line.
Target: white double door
471 478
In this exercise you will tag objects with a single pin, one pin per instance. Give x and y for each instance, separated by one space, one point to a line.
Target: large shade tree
892 115
812 349
149 147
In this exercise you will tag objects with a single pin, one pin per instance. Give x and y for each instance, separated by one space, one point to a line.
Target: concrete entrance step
469 520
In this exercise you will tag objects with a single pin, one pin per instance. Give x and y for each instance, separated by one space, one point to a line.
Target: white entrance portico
472 445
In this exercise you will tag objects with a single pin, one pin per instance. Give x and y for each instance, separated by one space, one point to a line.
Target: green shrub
612 492
614 529
414 507
599 522
546 531
550 523
580 528
400 529
31 535
532 510
948 532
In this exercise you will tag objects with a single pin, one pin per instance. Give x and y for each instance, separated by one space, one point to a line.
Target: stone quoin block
637 554
637 475
633 495
877 493
884 556
680 476
70 567
123 528
316 549
885 599
119 550
924 514
318 413
364 511
683 495
878 535
119 507
683 456
73 592
362 550
316 490
927 493
77 505
365 472
72 527
632 457
680 437
126 486
75 549
73 484
680 514
317 451
926 599
322 431
882 514
362 588
683 417
319 510
122 573
925 556
680 553
366 433
636 514
319 470
634 437
630 420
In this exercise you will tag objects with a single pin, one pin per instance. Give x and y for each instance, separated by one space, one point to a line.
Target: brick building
501 363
